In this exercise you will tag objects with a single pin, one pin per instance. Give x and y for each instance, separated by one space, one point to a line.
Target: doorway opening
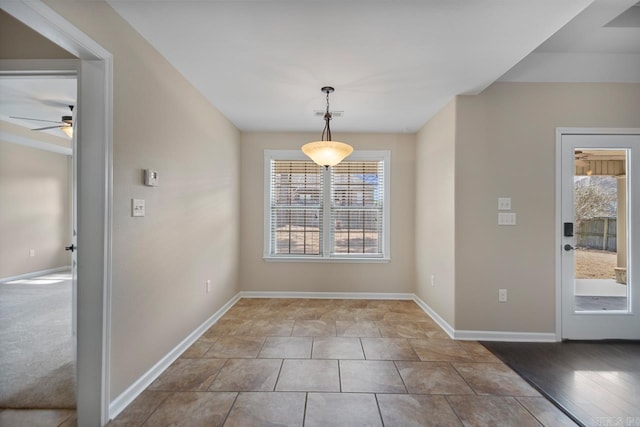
37 192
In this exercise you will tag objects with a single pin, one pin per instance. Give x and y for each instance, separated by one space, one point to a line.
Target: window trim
367 155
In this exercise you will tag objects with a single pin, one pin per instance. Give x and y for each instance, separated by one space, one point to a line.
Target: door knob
70 248
568 247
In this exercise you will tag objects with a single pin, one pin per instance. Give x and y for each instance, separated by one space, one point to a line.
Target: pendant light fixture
327 152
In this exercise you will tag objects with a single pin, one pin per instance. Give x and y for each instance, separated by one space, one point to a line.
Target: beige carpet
36 346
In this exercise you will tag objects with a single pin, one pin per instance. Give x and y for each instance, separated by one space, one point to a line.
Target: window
316 213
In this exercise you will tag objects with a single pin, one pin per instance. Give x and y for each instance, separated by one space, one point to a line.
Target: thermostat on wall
151 178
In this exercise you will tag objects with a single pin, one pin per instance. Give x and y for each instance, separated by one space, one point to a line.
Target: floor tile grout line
446 398
293 325
363 350
226 360
62 422
395 363
278 377
375 396
169 394
362 347
231 408
207 350
412 349
464 379
261 347
304 412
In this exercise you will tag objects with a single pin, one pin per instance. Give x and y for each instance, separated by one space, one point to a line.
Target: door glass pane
600 230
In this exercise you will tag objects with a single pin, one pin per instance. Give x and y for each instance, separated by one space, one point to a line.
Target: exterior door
600 236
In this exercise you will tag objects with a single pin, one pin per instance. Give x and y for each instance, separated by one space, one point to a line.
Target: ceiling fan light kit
327 152
68 130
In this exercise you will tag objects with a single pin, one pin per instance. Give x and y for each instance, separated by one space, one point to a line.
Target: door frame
94 191
558 234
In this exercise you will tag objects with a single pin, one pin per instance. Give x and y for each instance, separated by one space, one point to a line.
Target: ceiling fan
65 124
581 159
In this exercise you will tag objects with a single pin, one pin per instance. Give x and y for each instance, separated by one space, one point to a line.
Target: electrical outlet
32 252
208 283
502 295
433 280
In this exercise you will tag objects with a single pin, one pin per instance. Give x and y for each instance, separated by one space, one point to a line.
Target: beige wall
259 275
31 44
190 233
505 146
34 209
435 212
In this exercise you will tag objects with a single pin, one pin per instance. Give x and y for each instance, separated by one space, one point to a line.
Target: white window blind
296 208
312 212
357 208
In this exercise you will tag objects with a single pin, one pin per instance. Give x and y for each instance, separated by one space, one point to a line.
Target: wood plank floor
597 383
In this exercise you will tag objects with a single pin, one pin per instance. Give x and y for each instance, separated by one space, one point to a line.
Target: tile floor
294 362
313 362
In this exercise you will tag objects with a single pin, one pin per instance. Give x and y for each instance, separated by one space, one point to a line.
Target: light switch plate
504 203
506 218
137 207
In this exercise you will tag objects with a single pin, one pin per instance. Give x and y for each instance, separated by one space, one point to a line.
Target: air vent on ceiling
334 114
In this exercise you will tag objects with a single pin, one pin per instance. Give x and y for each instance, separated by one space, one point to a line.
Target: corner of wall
435 208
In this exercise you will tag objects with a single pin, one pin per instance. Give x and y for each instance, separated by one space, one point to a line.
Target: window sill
363 260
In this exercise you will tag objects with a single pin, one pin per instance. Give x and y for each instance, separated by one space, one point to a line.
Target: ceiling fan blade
49 127
37 120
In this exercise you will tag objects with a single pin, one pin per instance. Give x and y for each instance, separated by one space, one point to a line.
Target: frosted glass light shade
68 130
327 153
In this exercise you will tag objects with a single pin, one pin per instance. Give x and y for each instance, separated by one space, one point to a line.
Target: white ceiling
393 63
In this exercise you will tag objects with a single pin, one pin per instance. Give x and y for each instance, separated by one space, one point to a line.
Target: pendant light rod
327 114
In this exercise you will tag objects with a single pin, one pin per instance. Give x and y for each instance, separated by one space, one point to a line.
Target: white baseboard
327 295
126 397
35 274
435 316
484 335
505 336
